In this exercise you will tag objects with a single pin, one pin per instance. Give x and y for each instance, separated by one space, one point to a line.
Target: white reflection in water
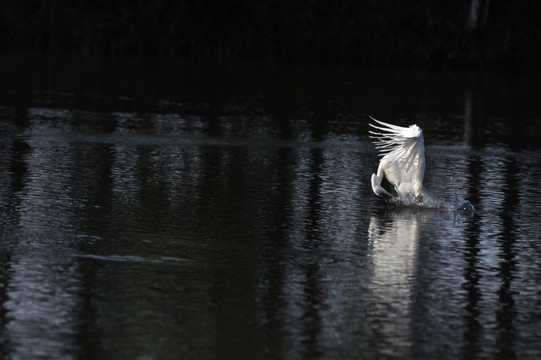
393 244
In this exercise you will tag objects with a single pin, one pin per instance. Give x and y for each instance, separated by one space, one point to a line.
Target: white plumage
403 159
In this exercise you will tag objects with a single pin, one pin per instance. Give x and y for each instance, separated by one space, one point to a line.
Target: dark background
424 33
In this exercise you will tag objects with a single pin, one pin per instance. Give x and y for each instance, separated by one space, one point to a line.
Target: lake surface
162 210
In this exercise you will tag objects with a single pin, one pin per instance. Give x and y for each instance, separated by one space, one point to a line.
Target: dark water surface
167 211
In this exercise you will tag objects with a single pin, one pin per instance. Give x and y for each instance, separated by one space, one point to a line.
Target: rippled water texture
228 214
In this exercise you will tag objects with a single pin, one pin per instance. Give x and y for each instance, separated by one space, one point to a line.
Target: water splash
457 205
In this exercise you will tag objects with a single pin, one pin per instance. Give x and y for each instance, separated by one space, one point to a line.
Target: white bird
403 160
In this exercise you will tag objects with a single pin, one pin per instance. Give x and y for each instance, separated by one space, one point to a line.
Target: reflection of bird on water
403 160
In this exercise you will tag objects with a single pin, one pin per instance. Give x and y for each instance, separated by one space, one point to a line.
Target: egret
402 160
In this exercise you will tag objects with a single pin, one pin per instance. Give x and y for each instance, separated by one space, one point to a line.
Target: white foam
425 202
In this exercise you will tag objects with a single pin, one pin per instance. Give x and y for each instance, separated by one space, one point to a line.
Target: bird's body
403 160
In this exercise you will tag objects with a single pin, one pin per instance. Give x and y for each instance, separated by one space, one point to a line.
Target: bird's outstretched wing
402 151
